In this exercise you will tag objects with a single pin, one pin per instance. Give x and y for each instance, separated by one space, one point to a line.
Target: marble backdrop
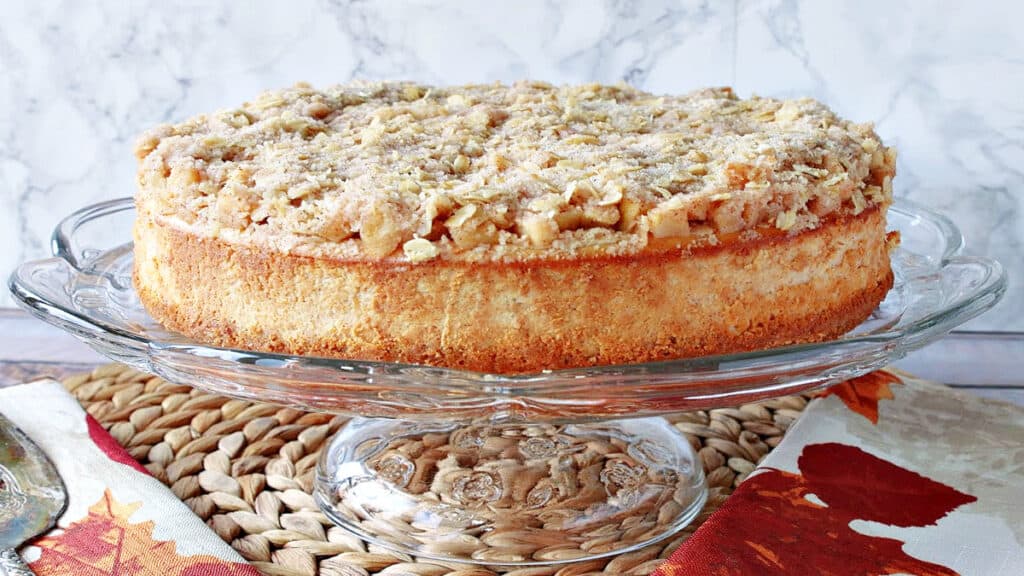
942 81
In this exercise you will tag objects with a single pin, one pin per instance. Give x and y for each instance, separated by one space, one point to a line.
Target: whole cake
512 228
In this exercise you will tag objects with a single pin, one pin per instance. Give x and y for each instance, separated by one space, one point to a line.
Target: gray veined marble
79 80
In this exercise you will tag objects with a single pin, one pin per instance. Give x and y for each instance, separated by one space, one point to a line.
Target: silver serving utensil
32 495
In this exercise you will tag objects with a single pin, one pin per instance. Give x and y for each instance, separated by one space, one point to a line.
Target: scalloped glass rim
87 290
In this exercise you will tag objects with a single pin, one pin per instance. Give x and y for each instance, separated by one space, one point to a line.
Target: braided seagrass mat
247 469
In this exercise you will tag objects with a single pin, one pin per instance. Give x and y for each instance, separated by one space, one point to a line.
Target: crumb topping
412 172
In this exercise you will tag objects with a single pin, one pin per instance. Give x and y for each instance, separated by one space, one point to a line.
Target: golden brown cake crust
744 294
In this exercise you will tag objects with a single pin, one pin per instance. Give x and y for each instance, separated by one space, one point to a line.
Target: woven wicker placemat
247 469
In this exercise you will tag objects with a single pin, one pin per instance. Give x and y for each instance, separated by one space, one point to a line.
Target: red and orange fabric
107 543
862 394
119 520
883 474
770 526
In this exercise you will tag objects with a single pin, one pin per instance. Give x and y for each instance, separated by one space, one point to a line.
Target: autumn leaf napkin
884 474
119 519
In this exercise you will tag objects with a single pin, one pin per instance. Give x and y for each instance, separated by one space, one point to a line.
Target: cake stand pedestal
511 493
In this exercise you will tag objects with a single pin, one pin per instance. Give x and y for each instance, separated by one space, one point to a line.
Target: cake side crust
524 316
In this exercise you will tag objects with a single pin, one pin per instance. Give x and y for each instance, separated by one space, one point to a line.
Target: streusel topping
413 172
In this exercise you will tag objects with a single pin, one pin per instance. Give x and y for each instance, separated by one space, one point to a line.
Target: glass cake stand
544 468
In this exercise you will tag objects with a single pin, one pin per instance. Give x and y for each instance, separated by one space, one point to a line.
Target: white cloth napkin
119 519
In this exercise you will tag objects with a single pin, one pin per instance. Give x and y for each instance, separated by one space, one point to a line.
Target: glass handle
62 242
970 285
972 277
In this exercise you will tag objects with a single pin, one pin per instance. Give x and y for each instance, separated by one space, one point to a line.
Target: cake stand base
511 493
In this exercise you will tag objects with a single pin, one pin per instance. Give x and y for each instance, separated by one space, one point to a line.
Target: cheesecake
512 228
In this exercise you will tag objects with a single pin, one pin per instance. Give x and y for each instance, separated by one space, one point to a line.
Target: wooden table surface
987 364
